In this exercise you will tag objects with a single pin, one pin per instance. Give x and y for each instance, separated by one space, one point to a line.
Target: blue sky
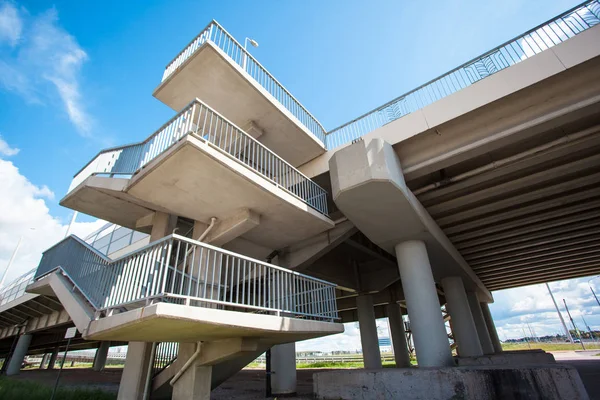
76 77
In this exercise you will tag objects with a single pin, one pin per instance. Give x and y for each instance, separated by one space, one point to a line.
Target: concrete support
401 354
18 355
101 355
463 325
491 327
427 325
368 332
44 361
195 383
283 368
53 358
163 224
133 380
482 331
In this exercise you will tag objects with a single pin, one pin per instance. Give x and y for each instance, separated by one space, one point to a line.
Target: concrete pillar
426 322
53 358
401 354
195 383
463 325
283 368
18 355
44 361
133 380
368 332
482 331
101 355
491 327
163 225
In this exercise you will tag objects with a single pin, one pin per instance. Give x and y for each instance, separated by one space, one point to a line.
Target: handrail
216 34
16 287
179 270
209 125
534 41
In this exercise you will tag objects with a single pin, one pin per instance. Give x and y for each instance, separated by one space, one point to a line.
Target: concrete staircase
224 309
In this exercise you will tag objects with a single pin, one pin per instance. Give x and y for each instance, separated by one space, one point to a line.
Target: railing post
166 268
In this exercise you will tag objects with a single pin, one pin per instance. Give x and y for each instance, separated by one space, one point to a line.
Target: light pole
562 321
574 326
12 258
73 218
254 43
596 297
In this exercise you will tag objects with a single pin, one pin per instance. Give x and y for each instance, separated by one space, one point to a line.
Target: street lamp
254 43
12 259
596 297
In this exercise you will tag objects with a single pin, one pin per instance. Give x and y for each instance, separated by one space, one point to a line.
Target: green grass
27 390
549 346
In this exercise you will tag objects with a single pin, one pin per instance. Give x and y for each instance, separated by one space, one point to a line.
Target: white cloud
46 63
6 150
11 24
515 310
23 206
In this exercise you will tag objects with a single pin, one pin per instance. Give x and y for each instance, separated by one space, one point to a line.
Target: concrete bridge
482 179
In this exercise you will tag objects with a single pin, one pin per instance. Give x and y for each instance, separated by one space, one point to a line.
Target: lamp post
594 293
562 321
12 258
254 43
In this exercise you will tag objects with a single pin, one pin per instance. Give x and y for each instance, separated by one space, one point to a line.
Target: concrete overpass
482 179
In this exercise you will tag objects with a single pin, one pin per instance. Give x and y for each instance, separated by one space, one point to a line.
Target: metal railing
179 270
216 34
534 41
164 355
212 127
16 288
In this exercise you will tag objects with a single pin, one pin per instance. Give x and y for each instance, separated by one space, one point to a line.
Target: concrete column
195 383
53 358
44 360
101 355
283 368
463 325
18 355
491 327
368 332
401 354
162 225
133 380
426 322
482 331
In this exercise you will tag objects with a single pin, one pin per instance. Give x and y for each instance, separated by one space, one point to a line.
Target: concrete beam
302 254
145 221
369 187
233 227
215 352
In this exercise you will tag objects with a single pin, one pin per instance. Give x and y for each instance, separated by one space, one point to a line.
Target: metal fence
208 125
216 34
536 40
179 270
164 355
16 288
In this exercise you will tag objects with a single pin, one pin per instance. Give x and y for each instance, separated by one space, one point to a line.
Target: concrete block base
513 358
548 382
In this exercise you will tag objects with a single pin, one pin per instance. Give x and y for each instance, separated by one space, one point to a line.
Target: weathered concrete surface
212 76
473 383
519 357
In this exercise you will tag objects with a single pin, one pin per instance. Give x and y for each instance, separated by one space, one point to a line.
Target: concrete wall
474 383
